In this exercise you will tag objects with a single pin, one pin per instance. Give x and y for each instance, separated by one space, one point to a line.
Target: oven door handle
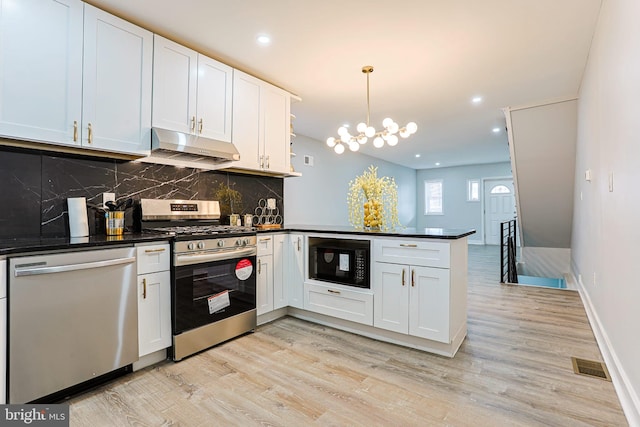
202 258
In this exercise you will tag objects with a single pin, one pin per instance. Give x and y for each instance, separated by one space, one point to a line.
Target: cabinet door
154 312
175 73
264 285
215 85
295 270
41 72
117 74
247 136
391 290
429 303
275 106
280 297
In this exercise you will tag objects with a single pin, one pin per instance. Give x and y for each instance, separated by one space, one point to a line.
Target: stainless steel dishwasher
72 317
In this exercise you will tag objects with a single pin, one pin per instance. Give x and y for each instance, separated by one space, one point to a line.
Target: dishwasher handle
33 270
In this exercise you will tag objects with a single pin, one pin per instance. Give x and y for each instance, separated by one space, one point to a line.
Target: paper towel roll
78 223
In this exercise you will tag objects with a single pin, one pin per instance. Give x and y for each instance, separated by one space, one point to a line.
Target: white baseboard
629 399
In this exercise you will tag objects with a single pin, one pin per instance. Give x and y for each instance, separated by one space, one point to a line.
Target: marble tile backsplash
35 185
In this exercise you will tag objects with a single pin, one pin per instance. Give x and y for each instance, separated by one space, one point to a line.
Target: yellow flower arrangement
373 201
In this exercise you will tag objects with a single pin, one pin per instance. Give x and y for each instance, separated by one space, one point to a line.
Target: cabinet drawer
356 306
265 245
413 252
153 258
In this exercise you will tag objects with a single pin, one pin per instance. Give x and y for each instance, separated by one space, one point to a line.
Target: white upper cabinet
117 78
74 75
261 121
215 86
191 92
247 120
41 72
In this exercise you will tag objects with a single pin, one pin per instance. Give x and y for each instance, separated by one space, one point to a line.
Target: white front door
499 206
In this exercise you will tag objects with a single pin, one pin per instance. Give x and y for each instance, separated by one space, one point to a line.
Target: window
433 197
500 189
473 190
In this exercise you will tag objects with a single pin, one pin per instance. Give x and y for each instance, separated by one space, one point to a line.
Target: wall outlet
108 197
308 160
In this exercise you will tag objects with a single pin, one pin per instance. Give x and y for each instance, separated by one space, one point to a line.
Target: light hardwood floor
513 369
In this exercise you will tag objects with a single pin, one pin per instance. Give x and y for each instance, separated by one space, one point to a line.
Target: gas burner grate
202 229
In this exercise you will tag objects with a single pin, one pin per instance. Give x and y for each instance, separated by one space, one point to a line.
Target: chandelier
388 134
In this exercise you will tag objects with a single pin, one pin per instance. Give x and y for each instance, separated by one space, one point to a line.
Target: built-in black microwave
342 261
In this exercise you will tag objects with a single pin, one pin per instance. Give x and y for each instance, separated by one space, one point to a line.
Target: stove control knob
200 245
245 242
191 246
220 243
239 242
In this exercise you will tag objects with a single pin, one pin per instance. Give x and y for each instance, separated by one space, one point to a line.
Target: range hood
170 144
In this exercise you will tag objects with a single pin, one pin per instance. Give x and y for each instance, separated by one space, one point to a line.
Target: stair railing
508 268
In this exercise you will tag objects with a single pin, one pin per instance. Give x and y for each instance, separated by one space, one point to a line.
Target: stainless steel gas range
213 292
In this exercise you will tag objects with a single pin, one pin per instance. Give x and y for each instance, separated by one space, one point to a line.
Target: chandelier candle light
365 130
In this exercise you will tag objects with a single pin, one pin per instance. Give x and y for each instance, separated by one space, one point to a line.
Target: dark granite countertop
32 244
425 233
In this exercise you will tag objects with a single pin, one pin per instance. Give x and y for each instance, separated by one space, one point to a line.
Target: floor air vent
590 368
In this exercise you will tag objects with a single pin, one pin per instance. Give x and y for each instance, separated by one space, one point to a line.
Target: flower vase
372 214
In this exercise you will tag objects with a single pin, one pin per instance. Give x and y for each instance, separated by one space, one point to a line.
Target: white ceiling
430 57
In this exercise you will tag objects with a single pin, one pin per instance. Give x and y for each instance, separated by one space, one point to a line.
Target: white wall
606 233
319 196
458 212
543 142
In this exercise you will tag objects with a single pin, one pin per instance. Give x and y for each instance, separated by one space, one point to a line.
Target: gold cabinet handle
259 266
408 245
75 131
90 137
265 239
150 251
193 124
200 125
267 162
403 277
298 244
413 281
144 288
333 292
261 161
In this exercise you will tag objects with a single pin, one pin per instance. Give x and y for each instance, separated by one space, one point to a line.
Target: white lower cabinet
336 301
280 295
154 312
412 300
294 268
154 298
264 278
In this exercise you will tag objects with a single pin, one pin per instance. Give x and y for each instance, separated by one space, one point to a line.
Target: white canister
78 222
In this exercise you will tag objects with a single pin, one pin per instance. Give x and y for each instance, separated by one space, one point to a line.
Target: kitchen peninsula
413 291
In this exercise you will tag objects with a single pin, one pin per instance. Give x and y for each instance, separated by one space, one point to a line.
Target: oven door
208 292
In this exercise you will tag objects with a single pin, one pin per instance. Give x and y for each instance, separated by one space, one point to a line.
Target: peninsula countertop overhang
425 233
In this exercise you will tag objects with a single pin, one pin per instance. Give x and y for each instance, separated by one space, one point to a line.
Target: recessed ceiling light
417 155
495 130
476 99
263 39
437 163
